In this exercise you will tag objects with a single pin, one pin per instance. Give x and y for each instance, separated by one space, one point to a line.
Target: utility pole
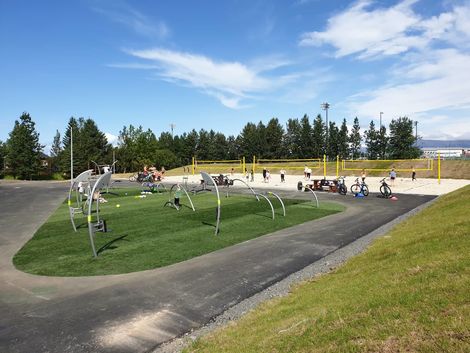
172 126
416 131
380 126
325 106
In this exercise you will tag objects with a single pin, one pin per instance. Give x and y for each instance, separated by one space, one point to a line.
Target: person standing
363 176
413 174
283 173
252 173
264 174
393 176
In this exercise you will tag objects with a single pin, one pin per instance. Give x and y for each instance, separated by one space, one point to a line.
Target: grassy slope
156 236
409 292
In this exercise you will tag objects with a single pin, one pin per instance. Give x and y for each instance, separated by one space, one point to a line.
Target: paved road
137 312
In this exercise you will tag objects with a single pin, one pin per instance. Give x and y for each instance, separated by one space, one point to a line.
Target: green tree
333 141
371 138
343 141
248 141
355 140
3 152
306 138
274 139
24 149
319 132
292 139
402 142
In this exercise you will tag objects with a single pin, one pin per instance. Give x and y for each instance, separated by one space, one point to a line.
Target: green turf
155 236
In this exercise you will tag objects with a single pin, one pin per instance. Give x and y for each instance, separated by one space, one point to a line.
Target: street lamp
380 126
172 126
325 106
416 131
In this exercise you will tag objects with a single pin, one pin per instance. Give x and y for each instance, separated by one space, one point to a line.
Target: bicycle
385 189
360 187
342 189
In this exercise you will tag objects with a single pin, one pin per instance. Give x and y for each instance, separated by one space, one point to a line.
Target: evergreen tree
319 132
3 152
248 141
233 148
24 149
56 147
343 141
334 141
306 138
292 139
220 147
402 142
371 138
355 139
382 142
93 146
274 139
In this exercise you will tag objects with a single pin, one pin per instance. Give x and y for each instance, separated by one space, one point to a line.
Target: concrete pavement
136 312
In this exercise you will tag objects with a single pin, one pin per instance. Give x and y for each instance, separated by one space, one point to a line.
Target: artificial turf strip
409 292
155 236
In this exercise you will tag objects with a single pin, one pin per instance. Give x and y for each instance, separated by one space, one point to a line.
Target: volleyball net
400 165
224 166
288 164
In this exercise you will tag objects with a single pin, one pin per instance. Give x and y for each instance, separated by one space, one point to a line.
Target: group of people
157 174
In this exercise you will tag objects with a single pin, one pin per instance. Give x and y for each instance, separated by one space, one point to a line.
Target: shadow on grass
109 244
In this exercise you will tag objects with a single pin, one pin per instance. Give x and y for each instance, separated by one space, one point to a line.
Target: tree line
22 153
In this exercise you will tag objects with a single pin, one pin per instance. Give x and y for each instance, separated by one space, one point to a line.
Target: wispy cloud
135 20
228 81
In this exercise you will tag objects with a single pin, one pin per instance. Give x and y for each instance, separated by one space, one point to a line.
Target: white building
451 152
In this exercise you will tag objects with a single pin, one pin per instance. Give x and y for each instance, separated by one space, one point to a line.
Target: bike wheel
365 190
355 189
132 177
385 191
342 189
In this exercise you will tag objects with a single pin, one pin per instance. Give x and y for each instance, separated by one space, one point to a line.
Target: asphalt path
137 312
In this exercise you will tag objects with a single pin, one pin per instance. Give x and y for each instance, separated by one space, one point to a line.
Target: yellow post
337 167
324 165
244 166
438 167
192 165
254 164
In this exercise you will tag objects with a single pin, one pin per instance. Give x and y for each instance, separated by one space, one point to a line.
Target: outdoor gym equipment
170 201
208 181
100 224
269 201
315 195
81 187
103 167
280 200
248 186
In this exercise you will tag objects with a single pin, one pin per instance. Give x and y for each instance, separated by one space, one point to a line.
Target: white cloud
229 82
141 24
369 33
112 139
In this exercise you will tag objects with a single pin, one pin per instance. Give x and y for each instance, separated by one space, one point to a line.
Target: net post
192 165
337 166
254 164
438 167
324 165
243 166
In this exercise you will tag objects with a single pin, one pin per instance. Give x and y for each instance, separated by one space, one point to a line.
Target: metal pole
325 106
416 132
380 120
71 155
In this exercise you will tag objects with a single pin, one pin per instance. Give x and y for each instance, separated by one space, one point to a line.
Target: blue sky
220 64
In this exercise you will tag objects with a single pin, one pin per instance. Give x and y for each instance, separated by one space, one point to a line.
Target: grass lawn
409 292
156 236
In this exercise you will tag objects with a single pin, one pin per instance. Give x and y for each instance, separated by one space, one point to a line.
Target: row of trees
301 138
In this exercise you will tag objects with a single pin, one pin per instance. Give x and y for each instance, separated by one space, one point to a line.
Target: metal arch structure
249 187
280 200
74 187
99 225
208 181
316 198
269 201
170 202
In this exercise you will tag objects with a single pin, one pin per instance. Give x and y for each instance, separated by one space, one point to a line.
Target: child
283 173
363 176
393 175
252 173
178 196
413 174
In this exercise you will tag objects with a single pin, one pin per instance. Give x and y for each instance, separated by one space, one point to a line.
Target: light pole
380 126
325 106
172 126
416 131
